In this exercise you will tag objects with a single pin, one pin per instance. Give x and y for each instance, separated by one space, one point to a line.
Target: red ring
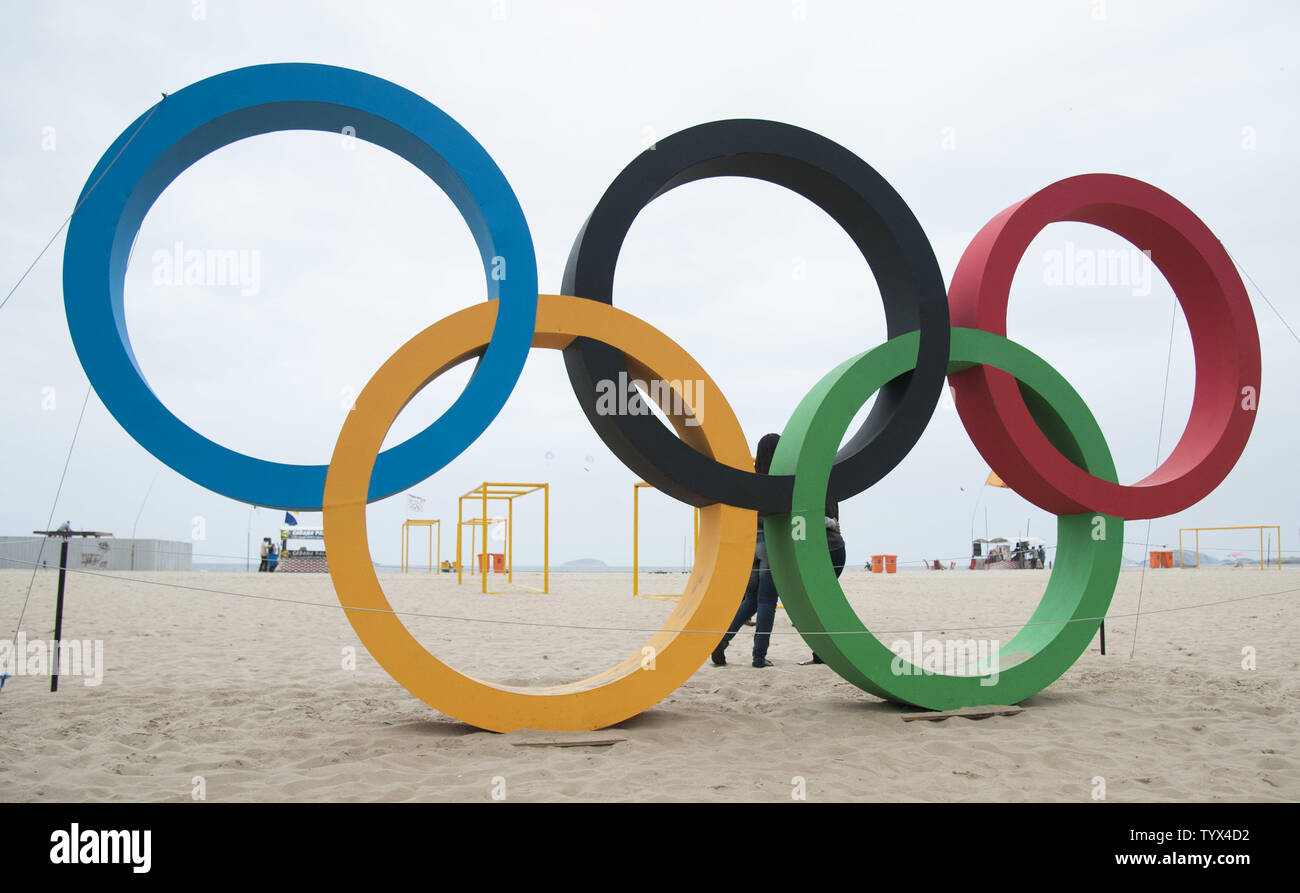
1225 341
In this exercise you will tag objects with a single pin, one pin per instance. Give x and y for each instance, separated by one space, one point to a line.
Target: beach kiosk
302 551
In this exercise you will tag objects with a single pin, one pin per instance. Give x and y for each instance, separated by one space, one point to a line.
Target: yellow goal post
1196 531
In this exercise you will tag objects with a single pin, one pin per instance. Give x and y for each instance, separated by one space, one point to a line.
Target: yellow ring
723 559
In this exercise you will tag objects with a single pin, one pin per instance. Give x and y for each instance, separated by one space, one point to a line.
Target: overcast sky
965 108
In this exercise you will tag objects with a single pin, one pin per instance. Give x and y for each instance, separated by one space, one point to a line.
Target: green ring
1083 577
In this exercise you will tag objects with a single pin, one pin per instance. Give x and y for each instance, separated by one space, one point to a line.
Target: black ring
881 225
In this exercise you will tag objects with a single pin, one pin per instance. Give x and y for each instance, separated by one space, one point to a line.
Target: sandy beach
248 692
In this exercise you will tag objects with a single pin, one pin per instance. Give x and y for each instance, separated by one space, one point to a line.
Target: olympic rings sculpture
1027 422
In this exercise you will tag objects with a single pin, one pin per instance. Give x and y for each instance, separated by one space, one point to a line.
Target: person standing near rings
839 552
760 595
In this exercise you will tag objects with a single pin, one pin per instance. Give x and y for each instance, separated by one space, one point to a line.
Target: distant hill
1189 560
584 562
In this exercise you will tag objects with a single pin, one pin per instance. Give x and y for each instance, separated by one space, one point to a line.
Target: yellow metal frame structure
508 492
406 542
636 542
1260 527
473 524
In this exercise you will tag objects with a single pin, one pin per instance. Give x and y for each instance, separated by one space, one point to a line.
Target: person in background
835 542
272 559
266 553
760 595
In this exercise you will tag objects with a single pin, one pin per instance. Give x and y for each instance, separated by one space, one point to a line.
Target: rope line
589 628
1260 292
80 202
656 569
53 507
1160 436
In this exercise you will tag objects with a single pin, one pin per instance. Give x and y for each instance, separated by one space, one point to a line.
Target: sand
249 695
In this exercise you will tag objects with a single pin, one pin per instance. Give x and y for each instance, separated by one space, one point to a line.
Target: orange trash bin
499 562
1155 559
891 564
877 564
1167 559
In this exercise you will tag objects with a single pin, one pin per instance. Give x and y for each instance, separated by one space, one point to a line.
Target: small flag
994 481
290 520
414 503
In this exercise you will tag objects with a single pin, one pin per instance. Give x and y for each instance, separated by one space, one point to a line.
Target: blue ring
215 112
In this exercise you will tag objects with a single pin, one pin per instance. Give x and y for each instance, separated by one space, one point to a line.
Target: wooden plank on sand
968 712
568 742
